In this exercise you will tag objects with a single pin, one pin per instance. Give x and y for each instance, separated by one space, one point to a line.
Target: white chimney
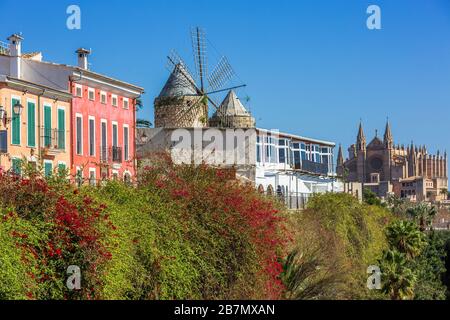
15 51
83 58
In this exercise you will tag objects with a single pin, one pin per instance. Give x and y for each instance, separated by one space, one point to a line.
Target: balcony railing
312 167
53 139
111 153
4 48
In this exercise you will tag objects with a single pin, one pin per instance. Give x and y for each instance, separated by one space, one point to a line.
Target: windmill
201 85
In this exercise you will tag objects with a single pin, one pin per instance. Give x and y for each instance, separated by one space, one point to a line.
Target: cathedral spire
340 162
340 157
361 139
388 140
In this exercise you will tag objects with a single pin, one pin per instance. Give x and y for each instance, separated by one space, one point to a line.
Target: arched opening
270 190
261 189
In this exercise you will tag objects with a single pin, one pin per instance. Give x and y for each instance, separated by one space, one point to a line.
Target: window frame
90 118
91 90
78 116
114 96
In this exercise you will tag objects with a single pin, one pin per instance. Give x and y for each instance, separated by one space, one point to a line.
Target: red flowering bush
220 213
53 227
183 232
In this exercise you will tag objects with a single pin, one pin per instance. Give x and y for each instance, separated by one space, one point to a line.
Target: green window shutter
61 167
61 129
31 124
48 168
15 124
16 166
47 126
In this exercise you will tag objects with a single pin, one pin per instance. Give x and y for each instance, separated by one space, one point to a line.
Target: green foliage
336 239
406 237
398 278
430 269
371 198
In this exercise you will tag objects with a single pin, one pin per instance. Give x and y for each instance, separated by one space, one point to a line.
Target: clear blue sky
312 67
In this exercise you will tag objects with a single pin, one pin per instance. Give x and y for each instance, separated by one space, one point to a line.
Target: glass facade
298 154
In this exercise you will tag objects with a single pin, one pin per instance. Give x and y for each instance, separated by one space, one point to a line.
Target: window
61 134
283 151
92 177
79 176
48 168
31 106
79 91
79 137
91 136
114 134
114 100
125 103
126 147
127 177
91 94
16 165
47 126
103 144
258 153
103 97
15 123
3 141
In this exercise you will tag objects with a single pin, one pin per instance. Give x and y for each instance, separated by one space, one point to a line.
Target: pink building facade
103 130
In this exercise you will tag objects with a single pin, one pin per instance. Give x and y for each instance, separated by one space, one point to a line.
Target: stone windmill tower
232 114
183 102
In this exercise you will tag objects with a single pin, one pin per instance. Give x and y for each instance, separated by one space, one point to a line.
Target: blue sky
311 67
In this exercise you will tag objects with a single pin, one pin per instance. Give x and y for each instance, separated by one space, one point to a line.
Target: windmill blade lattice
221 74
198 38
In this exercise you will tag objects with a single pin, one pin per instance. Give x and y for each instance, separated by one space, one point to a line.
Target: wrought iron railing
53 139
312 167
4 48
110 153
116 154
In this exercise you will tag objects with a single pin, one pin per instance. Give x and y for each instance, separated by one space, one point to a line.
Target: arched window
261 189
127 178
270 190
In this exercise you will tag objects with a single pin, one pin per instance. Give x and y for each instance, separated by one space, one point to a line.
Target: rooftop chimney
83 58
15 48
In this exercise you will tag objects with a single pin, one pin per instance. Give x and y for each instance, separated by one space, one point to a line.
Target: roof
232 106
80 72
297 137
179 83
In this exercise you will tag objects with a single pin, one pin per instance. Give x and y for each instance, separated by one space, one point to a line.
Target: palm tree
398 279
142 123
423 214
406 237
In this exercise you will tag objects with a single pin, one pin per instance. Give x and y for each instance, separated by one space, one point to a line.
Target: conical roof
180 83
232 106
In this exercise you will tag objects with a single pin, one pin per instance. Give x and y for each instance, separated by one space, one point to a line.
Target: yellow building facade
34 126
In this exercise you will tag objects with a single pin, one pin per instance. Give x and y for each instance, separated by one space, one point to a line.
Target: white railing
4 48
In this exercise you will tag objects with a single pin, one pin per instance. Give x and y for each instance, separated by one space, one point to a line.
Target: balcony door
104 141
47 126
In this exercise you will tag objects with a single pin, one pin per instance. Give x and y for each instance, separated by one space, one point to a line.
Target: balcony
4 48
53 140
313 167
111 153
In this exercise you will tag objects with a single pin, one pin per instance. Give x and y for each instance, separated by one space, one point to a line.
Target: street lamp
17 109
2 113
